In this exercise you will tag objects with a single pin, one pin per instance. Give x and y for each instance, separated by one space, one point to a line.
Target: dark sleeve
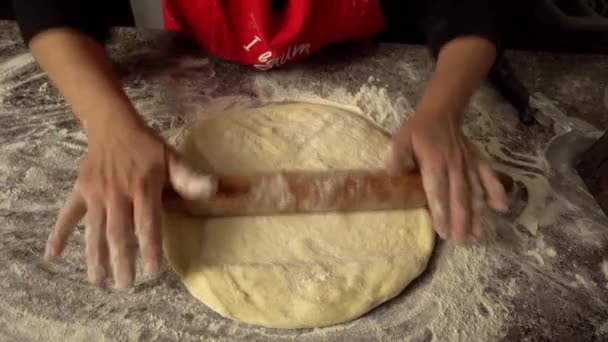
444 20
88 17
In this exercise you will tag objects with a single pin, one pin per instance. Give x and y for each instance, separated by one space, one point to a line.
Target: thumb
188 183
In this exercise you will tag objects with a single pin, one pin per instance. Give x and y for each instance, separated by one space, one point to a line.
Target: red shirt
250 32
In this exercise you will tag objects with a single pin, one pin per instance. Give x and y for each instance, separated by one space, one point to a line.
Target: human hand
457 181
119 188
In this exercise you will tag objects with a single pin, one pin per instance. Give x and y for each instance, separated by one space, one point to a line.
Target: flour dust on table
541 276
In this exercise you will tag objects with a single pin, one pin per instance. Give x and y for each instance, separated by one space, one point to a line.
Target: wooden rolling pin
309 192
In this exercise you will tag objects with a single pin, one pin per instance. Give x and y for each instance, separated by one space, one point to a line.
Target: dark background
579 26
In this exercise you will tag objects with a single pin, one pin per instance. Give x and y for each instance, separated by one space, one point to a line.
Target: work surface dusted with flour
542 276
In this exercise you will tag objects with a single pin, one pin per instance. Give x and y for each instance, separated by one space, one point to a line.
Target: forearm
462 65
79 67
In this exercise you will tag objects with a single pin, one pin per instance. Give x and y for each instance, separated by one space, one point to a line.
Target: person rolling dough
127 164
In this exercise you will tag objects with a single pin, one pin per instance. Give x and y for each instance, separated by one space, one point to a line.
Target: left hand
457 180
119 192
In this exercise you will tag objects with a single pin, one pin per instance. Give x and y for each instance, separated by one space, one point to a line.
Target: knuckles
147 175
99 184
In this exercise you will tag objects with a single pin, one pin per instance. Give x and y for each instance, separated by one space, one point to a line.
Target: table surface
543 274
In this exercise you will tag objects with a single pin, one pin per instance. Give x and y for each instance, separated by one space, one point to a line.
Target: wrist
117 122
461 67
439 112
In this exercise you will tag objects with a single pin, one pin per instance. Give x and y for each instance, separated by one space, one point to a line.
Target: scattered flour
541 251
36 329
273 192
460 298
459 284
602 330
35 177
370 100
411 71
550 115
13 67
582 281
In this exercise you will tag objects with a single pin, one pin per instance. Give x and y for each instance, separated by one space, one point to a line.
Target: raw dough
301 270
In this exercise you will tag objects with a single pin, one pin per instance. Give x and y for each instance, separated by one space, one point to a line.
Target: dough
294 271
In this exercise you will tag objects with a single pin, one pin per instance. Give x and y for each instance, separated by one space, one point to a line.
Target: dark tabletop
542 276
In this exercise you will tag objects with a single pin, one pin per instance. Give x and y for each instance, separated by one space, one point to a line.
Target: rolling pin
309 192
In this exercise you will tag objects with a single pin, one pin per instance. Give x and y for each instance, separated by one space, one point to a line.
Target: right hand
457 181
119 188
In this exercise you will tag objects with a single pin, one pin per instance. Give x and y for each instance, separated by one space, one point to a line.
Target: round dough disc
294 271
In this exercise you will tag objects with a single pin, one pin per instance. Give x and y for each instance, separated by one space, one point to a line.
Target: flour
602 330
467 294
36 329
551 115
530 171
35 177
370 100
604 268
273 192
13 67
410 70
459 288
583 282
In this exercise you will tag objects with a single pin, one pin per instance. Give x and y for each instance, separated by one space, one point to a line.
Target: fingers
460 203
455 180
496 196
96 250
478 230
436 187
188 183
147 213
121 241
70 214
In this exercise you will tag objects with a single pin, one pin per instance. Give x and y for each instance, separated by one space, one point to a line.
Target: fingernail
123 278
502 203
460 240
97 275
49 253
442 232
478 237
502 207
123 281
151 267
